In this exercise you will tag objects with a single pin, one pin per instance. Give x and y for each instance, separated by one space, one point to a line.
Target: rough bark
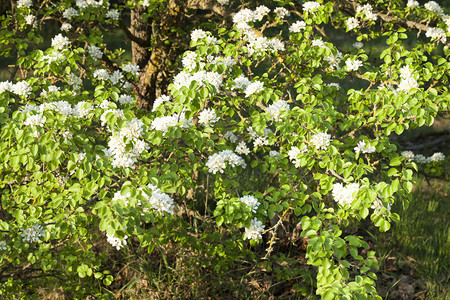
155 45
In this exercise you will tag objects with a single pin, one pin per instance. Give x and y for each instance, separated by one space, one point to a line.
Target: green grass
417 251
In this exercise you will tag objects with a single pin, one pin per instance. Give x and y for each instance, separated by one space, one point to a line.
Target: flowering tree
259 134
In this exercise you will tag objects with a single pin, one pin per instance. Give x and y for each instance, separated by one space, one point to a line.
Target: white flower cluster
24 3
35 120
422 159
412 3
3 245
95 52
33 234
281 12
353 65
165 122
434 7
21 88
321 140
335 85
407 81
276 109
364 148
30 20
357 45
118 196
297 27
229 135
217 162
294 155
254 88
334 59
113 15
117 242
241 82
60 42
159 201
208 117
199 34
82 4
132 69
160 100
251 202
310 6
255 230
367 11
70 13
377 205
189 60
118 142
352 23
260 140
82 109
437 34
185 79
274 154
242 148
125 99
344 195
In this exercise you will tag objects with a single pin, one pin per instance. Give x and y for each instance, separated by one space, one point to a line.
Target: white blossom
35 120
353 65
260 12
318 43
352 23
408 155
412 3
335 85
251 202
70 13
3 245
277 108
242 148
421 159
437 34
21 88
254 88
310 6
377 205
117 242
367 11
358 45
364 148
116 77
407 81
274 154
101 74
217 162
438 156
60 42
197 34
33 234
160 100
81 109
189 60
297 27
254 231
281 12
294 153
321 140
223 2
130 68
113 14
125 99
230 136
241 82
30 20
6 86
434 7
208 117
159 201
95 52
344 195
24 3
